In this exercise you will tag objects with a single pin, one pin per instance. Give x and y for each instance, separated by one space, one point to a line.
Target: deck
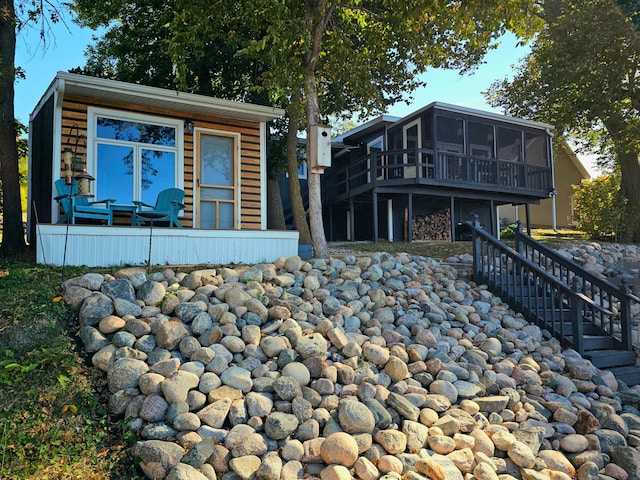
429 168
104 246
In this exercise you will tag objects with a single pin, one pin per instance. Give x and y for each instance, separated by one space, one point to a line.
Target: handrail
601 290
435 167
542 297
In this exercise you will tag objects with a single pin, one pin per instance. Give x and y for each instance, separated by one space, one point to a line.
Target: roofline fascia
381 119
484 114
179 98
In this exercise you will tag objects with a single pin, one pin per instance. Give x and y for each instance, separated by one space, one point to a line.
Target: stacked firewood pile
436 226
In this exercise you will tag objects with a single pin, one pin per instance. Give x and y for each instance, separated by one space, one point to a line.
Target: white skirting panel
102 246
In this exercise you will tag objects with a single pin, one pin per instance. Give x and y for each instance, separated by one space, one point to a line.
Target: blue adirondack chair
168 205
75 207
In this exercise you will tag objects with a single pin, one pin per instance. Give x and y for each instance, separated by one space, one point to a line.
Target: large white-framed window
133 156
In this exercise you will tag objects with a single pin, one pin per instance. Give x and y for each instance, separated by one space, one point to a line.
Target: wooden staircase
583 311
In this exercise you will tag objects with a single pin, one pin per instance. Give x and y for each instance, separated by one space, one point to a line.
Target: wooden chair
167 207
74 206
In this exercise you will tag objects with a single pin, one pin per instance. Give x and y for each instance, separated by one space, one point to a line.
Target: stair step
629 375
600 342
588 328
611 358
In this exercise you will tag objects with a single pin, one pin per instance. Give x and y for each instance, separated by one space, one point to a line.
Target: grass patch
53 419
437 250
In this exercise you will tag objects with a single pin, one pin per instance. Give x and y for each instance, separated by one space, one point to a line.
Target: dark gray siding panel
41 160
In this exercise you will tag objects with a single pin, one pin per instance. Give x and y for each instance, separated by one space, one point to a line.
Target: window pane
138 132
509 144
216 160
158 170
411 137
480 140
208 215
226 215
114 177
216 193
450 134
536 150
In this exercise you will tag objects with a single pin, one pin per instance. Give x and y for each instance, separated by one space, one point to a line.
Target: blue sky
65 45
64 49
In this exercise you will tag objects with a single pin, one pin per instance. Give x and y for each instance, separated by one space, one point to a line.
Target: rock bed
372 367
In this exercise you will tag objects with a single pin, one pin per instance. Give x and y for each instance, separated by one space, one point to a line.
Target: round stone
396 369
298 371
390 464
355 417
279 425
521 455
238 378
503 440
339 448
111 324
441 444
574 443
335 472
393 441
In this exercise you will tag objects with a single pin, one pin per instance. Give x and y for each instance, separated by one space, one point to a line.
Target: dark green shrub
509 232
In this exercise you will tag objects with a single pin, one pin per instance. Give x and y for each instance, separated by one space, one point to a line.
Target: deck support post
477 251
527 211
453 218
410 219
390 219
493 218
331 233
375 216
352 220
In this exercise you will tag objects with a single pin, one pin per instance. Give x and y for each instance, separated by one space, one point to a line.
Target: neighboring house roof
161 98
574 158
377 121
386 120
481 113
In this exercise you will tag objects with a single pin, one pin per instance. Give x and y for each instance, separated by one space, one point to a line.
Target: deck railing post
477 250
518 236
373 172
577 313
625 320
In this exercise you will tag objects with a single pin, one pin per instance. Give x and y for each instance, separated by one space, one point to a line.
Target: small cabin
422 177
94 139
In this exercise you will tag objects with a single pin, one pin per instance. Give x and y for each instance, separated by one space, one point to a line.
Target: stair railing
544 299
605 294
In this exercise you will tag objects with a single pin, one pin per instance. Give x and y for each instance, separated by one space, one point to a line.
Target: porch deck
429 168
103 246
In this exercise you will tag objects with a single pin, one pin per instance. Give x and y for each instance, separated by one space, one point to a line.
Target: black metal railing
605 294
426 166
526 279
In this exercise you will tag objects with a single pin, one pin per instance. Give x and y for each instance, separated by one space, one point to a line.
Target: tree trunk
630 189
315 196
317 16
628 161
12 230
275 215
295 196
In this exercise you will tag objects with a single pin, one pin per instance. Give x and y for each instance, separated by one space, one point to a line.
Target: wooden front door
217 181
